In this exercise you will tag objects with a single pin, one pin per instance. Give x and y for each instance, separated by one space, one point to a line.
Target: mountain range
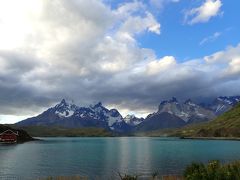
70 115
226 125
171 114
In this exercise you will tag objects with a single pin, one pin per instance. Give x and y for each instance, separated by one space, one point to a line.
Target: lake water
105 157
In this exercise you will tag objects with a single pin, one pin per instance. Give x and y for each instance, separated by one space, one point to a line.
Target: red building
8 136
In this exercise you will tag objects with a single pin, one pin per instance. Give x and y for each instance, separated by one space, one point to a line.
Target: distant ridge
226 125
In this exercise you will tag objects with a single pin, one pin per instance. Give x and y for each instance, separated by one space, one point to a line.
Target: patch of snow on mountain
112 120
220 107
184 116
137 122
65 113
128 118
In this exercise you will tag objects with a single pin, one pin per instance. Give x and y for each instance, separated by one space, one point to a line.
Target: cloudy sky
128 54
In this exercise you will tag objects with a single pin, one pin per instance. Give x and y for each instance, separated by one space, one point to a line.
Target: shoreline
212 138
192 138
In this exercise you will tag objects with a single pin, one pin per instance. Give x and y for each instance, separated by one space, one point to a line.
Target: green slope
226 125
45 131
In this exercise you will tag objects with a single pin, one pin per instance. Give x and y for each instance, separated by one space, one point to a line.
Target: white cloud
127 9
223 57
137 24
71 52
211 38
234 66
60 44
159 4
228 62
204 13
161 65
154 28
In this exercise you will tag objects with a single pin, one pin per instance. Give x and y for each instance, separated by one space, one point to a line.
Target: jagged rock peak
173 100
99 104
63 101
231 100
129 116
188 101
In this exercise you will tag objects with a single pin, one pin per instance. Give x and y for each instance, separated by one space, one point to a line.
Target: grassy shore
125 177
214 170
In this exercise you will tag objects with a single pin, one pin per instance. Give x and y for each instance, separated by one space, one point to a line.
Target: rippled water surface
105 157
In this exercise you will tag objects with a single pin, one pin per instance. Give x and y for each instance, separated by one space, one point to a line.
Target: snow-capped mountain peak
112 118
132 120
129 116
64 109
223 104
70 115
229 100
97 105
173 100
187 111
190 102
63 103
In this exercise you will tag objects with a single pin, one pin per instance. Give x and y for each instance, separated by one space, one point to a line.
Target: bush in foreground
213 171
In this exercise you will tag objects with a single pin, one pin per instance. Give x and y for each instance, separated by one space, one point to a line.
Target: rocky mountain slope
174 114
160 121
188 111
223 104
226 125
132 120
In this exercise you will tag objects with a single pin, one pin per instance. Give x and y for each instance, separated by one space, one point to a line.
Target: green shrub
213 171
127 177
195 171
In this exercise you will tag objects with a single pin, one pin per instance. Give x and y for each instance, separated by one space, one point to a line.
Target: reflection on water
108 156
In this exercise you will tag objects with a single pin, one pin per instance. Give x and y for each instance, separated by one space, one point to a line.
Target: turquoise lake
103 158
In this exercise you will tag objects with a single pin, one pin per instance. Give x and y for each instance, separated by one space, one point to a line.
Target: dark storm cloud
144 92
